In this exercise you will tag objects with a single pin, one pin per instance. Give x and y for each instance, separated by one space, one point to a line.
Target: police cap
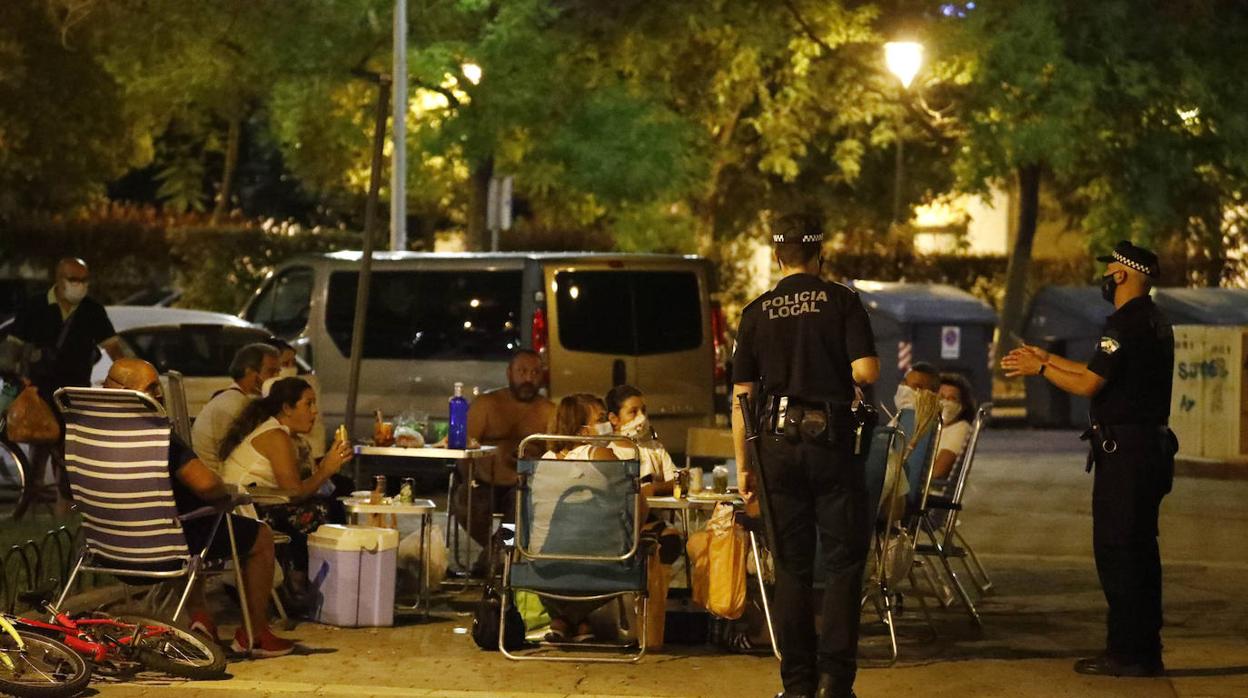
797 229
1134 257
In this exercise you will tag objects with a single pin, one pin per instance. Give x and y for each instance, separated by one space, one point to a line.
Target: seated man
251 367
920 376
502 418
195 486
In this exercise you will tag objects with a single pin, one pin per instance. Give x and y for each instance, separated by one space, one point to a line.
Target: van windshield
633 313
429 314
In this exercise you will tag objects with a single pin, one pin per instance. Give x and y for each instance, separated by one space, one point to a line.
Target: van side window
633 313
443 315
283 306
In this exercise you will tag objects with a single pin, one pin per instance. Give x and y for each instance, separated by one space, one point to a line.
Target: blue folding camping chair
577 539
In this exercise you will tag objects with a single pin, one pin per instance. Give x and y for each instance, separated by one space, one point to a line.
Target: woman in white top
260 450
957 409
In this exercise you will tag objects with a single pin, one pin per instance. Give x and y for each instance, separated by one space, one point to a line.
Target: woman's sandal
555 634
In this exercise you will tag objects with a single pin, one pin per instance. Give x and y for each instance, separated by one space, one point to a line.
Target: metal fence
40 564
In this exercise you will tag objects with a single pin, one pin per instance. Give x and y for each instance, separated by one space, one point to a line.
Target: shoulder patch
1109 345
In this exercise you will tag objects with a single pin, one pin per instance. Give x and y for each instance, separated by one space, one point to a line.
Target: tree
62 131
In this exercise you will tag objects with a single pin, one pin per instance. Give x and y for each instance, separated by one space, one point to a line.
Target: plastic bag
409 562
719 555
30 420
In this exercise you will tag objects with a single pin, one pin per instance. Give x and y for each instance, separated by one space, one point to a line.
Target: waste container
1068 320
940 324
352 571
1209 405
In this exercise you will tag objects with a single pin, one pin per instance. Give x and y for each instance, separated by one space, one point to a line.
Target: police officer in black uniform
1132 451
804 346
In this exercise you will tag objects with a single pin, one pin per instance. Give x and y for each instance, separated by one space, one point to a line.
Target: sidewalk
1028 516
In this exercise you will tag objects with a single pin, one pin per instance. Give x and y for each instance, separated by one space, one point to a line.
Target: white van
598 320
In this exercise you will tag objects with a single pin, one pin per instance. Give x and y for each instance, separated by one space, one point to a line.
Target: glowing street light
472 71
904 58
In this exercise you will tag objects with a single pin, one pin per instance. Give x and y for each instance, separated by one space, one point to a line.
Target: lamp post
903 58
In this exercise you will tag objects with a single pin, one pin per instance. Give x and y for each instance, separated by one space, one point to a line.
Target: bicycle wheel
175 650
44 668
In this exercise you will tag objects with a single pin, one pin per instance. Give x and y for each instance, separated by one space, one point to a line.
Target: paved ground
1028 515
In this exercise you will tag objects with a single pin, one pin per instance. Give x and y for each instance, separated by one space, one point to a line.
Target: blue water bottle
457 434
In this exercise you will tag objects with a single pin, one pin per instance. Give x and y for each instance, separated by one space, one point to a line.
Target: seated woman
576 415
261 449
957 409
626 411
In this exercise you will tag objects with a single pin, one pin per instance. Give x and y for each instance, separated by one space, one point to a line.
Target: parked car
597 320
197 343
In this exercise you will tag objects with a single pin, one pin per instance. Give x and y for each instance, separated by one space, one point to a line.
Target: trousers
1134 471
818 499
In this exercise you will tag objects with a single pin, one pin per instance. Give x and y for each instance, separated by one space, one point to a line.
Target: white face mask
74 291
599 429
904 399
949 410
288 372
637 427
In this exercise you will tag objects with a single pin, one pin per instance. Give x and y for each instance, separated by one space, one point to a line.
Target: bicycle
117 643
35 666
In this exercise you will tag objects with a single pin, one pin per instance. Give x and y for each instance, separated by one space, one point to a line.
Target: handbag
485 622
30 419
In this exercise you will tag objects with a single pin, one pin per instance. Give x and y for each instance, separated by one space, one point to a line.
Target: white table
449 456
423 508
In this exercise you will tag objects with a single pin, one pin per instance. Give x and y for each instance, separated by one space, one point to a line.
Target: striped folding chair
117 462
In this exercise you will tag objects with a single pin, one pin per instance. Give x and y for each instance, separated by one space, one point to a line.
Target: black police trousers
1134 470
817 494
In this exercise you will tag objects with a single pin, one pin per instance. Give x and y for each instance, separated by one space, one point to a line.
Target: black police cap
1135 257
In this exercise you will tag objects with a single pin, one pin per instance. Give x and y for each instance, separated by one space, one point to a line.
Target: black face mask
1109 285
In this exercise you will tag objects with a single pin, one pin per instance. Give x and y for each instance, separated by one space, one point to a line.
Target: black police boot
1108 665
828 688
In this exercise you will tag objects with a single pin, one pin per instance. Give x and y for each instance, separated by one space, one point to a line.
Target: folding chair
116 453
577 538
175 400
942 513
885 442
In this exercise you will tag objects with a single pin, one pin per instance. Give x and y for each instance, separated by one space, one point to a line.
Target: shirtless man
502 418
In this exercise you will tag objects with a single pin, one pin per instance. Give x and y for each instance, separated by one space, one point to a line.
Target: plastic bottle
457 434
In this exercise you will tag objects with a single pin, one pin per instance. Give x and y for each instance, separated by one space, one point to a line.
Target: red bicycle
124 642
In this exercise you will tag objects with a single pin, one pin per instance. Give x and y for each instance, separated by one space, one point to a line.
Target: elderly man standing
194 485
252 366
58 333
502 418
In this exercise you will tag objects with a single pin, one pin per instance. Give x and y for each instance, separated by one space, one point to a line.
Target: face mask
637 427
1108 286
600 429
949 410
288 372
74 291
904 399
266 386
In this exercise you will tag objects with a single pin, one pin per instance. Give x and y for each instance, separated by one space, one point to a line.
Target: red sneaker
203 624
267 644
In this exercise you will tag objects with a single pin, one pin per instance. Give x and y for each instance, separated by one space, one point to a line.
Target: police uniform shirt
1135 356
800 339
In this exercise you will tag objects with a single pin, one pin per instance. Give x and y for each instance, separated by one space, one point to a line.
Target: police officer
1132 451
806 345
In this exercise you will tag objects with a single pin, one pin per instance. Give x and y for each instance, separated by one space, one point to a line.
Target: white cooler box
352 570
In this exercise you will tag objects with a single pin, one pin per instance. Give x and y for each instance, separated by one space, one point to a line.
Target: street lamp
903 58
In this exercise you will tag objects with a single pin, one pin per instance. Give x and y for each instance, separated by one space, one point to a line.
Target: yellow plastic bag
719 557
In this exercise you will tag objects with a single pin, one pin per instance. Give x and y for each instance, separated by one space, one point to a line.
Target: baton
754 464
